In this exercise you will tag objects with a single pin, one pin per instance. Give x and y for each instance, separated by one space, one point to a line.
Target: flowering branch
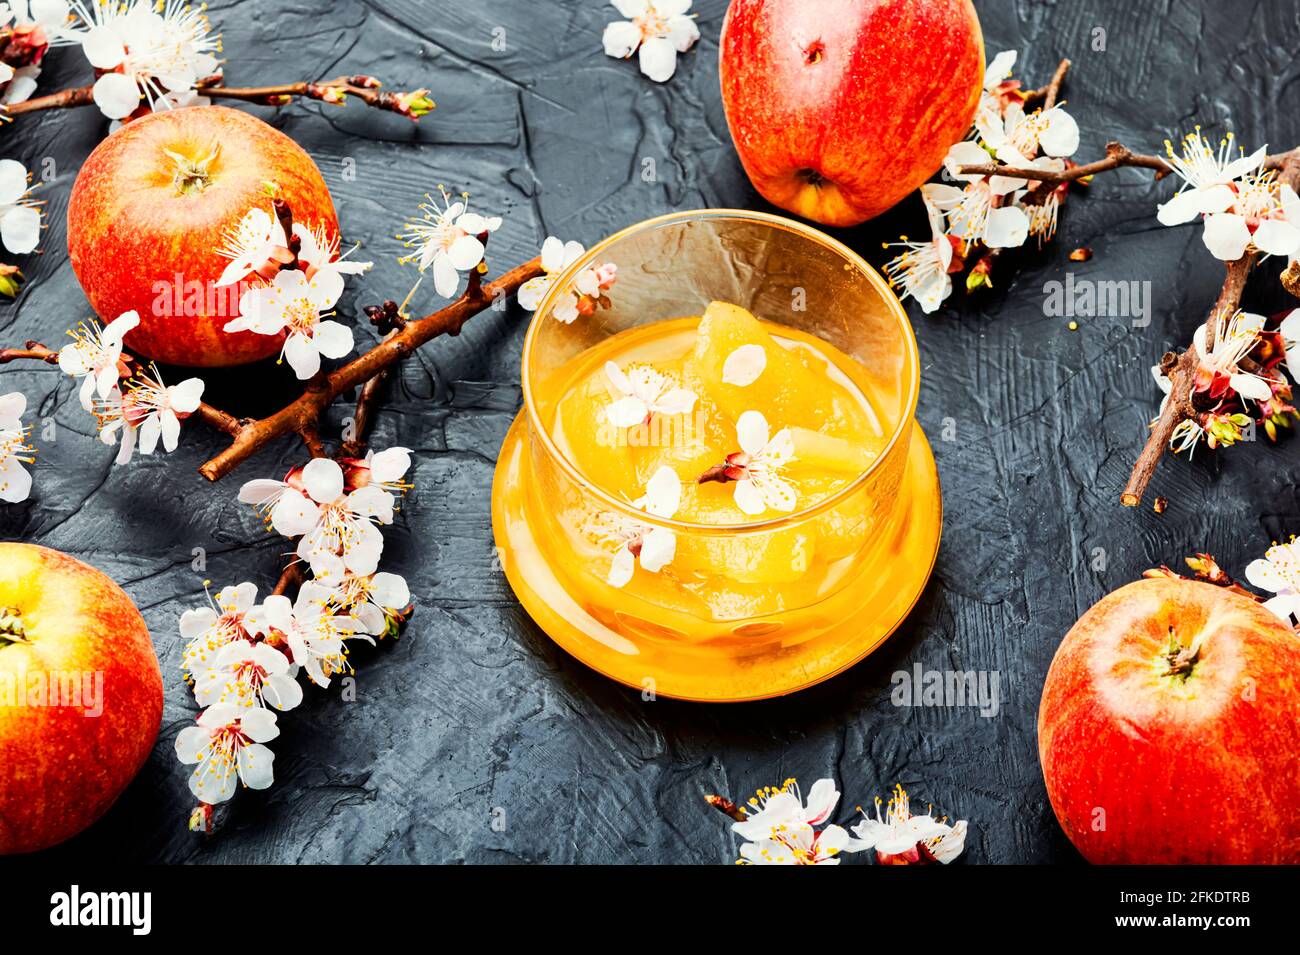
1186 403
1229 377
781 827
302 415
1181 371
412 104
1117 155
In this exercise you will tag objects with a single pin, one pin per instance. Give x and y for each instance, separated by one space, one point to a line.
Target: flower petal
621 570
658 58
620 39
663 493
20 229
465 253
302 355
743 366
1275 237
1226 235
116 95
658 547
626 412
531 292
749 498
333 339
13 181
1008 227
103 47
752 432
323 479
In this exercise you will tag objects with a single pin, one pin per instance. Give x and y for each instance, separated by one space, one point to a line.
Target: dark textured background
474 709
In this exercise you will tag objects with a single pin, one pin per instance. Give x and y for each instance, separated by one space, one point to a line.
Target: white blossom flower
780 830
15 481
145 411
1220 364
1263 213
660 28
1278 572
248 674
756 467
310 627
654 547
901 838
372 598
95 356
20 219
313 505
556 257
255 245
145 49
227 744
207 629
1207 176
41 23
383 469
586 291
318 254
645 392
447 238
743 366
1016 136
923 269
979 212
293 303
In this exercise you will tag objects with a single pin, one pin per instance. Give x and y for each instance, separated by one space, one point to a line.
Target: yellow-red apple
1169 727
840 108
154 205
80 695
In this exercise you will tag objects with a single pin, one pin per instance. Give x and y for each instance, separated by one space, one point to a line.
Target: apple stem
1180 660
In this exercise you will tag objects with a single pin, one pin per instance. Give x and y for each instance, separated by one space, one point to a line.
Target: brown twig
1049 93
289 577
305 412
412 104
1117 155
34 351
64 99
367 401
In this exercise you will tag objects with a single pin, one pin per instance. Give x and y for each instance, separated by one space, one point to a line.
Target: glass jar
718 624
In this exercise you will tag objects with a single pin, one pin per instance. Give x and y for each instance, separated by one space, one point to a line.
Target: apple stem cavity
12 628
192 176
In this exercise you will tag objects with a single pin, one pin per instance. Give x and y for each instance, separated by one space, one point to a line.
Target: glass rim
563 280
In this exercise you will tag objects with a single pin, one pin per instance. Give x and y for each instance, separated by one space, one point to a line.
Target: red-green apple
840 108
1169 728
80 695
153 207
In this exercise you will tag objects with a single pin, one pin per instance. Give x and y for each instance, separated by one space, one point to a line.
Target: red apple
840 108
80 695
150 211
1169 728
